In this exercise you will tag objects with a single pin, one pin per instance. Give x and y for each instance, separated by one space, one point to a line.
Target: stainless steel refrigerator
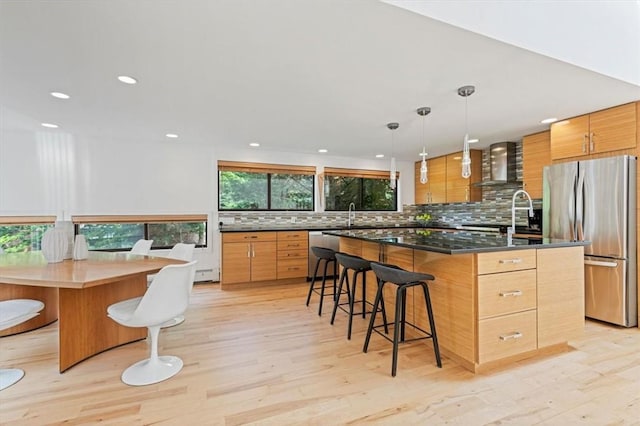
595 200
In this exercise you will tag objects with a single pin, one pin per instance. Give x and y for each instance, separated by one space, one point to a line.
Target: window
367 189
256 186
23 233
116 233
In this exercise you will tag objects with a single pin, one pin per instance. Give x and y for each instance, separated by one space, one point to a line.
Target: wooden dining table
77 293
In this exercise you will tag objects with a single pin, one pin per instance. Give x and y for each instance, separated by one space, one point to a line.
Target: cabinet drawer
293 235
506 293
293 244
505 261
293 254
507 335
292 268
238 237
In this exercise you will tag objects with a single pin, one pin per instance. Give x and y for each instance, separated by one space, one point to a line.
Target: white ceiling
293 75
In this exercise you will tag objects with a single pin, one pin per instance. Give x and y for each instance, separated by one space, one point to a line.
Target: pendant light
466 91
423 111
392 172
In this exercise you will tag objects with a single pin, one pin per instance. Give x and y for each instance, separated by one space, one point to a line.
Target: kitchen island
494 303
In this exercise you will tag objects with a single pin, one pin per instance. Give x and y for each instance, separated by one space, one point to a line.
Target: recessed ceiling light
549 120
50 125
322 150
379 155
473 140
60 95
255 144
127 80
171 135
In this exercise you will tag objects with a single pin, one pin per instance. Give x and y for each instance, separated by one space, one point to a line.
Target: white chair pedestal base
173 322
150 371
10 376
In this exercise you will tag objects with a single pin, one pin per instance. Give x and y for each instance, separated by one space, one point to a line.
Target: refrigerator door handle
601 263
580 208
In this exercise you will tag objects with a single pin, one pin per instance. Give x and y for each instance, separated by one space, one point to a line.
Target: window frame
361 174
145 220
269 170
26 221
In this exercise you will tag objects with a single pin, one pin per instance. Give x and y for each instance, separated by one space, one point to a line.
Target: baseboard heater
207 275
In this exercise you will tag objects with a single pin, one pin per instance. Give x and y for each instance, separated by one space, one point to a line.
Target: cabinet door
421 191
612 129
263 260
459 189
569 138
535 155
437 179
236 262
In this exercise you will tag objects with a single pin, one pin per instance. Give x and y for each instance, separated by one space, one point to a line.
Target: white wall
56 173
599 35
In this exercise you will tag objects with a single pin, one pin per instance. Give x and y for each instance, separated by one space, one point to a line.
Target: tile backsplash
495 208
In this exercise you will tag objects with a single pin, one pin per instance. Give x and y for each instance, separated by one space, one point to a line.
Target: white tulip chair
166 297
12 313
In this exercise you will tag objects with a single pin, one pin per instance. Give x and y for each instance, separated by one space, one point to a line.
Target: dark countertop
452 241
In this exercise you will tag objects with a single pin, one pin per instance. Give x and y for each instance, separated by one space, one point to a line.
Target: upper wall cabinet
460 189
535 155
602 131
435 190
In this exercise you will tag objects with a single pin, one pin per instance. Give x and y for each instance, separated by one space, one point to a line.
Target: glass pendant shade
466 91
392 173
423 167
423 112
466 158
393 170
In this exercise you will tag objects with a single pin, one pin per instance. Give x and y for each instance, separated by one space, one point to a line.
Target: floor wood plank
260 356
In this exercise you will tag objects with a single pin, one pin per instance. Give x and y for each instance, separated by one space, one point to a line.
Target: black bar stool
404 280
328 256
359 266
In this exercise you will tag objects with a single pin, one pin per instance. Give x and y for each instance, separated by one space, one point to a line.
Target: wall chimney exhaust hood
502 158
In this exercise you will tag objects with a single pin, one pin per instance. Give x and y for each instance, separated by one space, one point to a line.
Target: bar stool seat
403 279
359 266
327 256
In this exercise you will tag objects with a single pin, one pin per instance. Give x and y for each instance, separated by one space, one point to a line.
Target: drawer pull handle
293 269
511 293
600 263
516 260
252 237
514 335
293 245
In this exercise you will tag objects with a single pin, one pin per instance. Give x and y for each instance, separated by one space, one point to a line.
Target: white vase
54 245
80 249
67 227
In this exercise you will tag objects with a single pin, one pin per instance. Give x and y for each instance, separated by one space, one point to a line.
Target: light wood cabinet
248 256
293 254
460 189
495 307
435 190
608 130
536 154
507 304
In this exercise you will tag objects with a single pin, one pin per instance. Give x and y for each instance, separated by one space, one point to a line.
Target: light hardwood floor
260 356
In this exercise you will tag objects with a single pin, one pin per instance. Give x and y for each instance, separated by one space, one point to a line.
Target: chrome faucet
352 215
512 230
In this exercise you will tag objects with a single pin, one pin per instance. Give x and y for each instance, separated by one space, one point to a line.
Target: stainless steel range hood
502 157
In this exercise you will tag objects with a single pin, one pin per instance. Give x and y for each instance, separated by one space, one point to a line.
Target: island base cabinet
560 295
506 335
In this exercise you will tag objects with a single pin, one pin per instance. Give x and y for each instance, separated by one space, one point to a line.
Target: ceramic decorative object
80 249
54 245
67 227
